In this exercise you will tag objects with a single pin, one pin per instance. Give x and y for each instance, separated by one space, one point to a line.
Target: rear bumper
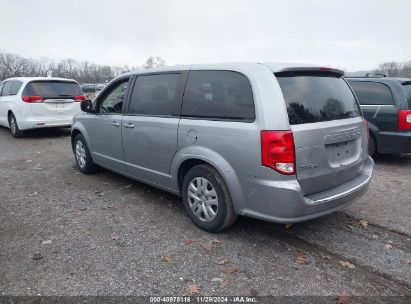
44 123
394 142
283 202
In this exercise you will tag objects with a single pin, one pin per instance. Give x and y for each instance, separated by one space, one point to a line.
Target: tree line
13 65
395 69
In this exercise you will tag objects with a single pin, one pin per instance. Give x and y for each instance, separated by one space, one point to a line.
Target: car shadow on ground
48 133
242 225
393 159
41 133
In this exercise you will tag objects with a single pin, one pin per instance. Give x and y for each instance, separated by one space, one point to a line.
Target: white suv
38 102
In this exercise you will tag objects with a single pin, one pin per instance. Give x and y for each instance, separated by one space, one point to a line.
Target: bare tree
154 62
391 68
12 65
406 70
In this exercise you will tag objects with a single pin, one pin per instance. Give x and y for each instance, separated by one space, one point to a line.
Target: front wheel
83 157
207 200
14 128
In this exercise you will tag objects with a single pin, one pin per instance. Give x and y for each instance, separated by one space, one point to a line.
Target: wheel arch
374 133
193 156
74 133
76 129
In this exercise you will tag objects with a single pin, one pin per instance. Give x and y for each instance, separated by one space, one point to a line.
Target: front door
150 127
104 127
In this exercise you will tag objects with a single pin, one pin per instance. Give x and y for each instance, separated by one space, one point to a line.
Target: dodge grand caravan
282 143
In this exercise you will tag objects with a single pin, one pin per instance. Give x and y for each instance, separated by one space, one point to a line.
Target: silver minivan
278 142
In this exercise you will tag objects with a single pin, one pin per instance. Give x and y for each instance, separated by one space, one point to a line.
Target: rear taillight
404 120
32 99
79 98
277 151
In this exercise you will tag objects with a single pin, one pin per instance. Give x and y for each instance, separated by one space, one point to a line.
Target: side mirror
87 106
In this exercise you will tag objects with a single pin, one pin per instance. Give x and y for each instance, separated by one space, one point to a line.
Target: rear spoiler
312 69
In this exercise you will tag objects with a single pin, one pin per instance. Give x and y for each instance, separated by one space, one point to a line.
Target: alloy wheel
80 154
202 199
13 124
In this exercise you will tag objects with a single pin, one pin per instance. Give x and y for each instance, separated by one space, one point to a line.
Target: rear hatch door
329 133
59 98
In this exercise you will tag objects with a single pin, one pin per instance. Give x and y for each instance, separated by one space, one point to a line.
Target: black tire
372 146
88 166
14 128
224 215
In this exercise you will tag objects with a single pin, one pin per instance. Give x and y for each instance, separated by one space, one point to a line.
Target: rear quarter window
15 87
7 88
316 97
224 95
407 89
372 93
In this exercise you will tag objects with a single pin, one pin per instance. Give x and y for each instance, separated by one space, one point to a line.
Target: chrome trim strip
376 105
339 195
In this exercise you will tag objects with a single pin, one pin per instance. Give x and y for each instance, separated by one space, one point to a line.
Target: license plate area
60 105
343 153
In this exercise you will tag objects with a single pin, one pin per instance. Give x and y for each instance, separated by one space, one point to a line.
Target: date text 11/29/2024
203 299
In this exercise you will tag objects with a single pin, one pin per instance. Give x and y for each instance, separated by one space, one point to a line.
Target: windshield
54 89
315 97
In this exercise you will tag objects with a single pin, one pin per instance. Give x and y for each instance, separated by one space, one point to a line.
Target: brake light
404 120
277 151
79 98
32 99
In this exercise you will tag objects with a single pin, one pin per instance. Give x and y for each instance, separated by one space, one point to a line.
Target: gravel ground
65 233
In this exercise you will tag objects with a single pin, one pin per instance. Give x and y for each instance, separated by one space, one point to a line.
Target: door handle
115 124
128 125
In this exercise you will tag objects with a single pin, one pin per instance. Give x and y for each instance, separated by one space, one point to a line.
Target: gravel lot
65 233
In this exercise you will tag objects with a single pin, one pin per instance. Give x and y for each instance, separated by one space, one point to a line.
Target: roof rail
375 75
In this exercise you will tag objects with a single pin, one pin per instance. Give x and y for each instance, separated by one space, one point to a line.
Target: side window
372 93
1 87
154 94
112 101
16 85
7 88
218 95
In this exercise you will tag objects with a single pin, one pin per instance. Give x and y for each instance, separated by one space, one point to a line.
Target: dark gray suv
386 104
278 142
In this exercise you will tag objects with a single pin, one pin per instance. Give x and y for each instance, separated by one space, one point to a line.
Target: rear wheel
14 128
372 146
207 200
83 157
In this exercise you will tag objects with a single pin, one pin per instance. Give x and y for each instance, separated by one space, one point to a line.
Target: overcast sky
350 34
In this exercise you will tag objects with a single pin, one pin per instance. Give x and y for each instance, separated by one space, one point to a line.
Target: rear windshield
53 89
315 97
